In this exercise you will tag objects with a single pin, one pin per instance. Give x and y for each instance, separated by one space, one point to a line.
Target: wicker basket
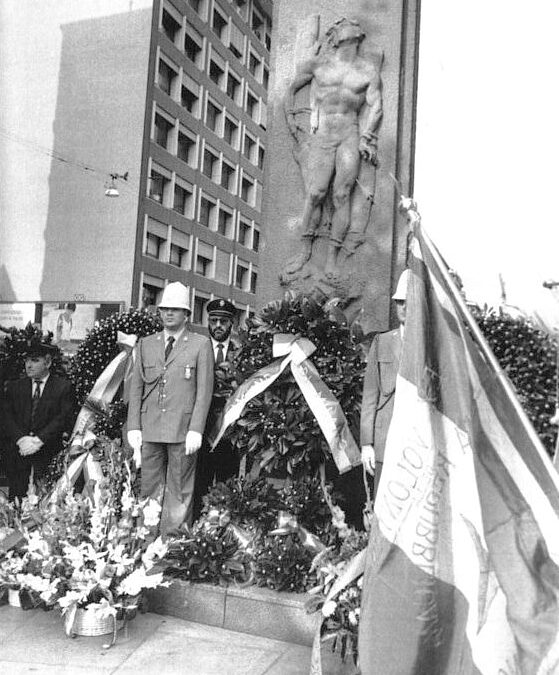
89 622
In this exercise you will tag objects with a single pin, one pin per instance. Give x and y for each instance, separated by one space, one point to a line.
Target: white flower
157 549
328 608
352 617
152 511
135 582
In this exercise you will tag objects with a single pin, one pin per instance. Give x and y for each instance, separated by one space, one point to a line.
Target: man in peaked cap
379 385
36 411
223 462
170 395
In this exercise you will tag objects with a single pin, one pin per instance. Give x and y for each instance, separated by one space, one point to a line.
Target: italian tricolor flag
462 569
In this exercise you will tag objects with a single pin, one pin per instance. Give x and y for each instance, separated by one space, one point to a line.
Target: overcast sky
488 143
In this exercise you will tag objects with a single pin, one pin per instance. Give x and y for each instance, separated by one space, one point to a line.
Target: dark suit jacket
215 414
169 398
54 416
379 385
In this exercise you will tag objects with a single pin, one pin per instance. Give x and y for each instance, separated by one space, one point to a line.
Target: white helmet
402 286
175 296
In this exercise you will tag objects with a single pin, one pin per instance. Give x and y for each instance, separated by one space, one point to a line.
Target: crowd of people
173 413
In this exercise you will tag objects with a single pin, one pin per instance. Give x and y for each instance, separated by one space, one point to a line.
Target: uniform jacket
54 416
378 390
167 399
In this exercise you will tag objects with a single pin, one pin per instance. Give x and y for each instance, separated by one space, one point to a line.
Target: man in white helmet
170 396
379 385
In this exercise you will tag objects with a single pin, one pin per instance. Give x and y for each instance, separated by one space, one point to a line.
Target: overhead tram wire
102 175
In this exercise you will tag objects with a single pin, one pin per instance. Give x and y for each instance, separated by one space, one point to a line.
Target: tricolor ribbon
288 524
102 393
323 404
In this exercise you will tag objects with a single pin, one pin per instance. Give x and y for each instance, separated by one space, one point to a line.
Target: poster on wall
69 322
16 314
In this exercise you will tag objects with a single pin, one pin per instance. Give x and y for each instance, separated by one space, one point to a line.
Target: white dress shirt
225 344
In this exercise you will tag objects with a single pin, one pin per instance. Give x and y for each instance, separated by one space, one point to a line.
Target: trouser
168 476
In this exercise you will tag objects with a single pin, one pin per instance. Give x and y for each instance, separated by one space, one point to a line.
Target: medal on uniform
187 373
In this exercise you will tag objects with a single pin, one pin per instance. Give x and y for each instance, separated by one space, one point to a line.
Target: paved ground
34 641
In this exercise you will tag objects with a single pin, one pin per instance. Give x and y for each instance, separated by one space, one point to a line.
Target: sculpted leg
347 168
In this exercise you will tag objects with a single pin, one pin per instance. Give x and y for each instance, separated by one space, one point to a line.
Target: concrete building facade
199 217
162 100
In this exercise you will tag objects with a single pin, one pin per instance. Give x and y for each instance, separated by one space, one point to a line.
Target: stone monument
339 152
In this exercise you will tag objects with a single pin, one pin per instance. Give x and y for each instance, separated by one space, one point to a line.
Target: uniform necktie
219 358
35 400
169 346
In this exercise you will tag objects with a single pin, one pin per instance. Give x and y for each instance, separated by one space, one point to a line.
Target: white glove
368 458
29 445
134 437
193 442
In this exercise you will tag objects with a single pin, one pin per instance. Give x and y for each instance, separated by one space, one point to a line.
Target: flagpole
486 349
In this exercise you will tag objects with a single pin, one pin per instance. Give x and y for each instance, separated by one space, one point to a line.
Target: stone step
253 610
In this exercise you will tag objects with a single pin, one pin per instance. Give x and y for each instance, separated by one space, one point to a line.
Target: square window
198 310
261 153
186 149
213 117
193 46
244 232
253 280
162 130
219 25
241 277
265 78
224 223
189 100
154 246
233 87
228 176
158 184
255 240
231 132
182 200
252 106
207 212
203 265
178 256
170 26
217 74
166 77
247 191
210 165
249 148
254 64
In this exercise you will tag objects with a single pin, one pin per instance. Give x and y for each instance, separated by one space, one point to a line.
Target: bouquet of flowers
94 550
341 613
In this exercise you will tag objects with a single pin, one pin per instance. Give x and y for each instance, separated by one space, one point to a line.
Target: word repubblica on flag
462 568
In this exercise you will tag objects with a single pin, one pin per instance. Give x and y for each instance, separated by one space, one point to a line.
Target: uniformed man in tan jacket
170 396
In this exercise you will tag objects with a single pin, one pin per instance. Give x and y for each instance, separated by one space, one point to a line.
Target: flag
462 568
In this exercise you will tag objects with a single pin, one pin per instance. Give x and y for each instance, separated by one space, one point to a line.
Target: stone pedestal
366 272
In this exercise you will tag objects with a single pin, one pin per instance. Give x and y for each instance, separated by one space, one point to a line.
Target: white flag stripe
416 489
446 303
504 445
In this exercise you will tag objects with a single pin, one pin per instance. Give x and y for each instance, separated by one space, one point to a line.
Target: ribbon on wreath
288 524
82 440
293 351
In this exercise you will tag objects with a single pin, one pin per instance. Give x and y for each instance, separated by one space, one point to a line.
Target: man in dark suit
223 462
170 395
36 411
379 385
